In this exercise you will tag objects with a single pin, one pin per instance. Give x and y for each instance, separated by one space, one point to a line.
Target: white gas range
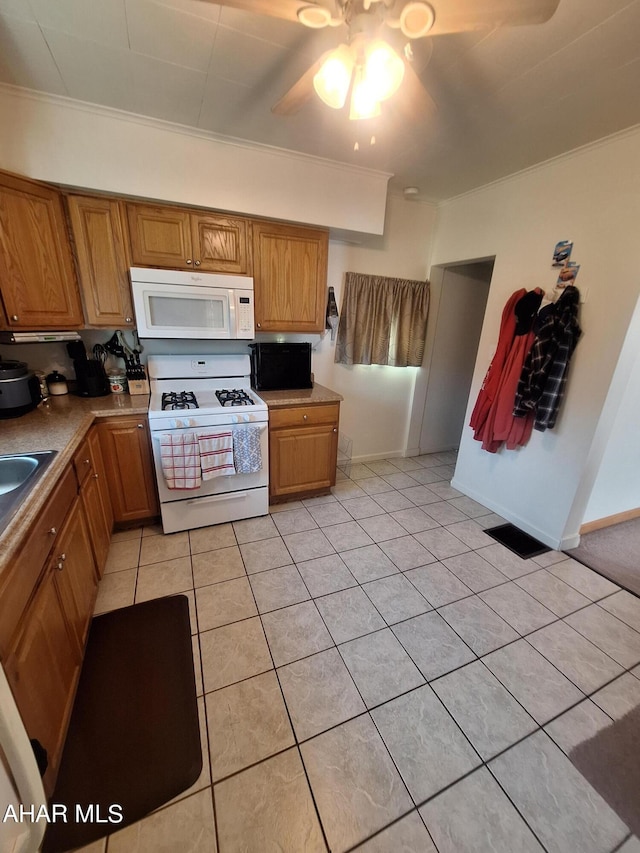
207 395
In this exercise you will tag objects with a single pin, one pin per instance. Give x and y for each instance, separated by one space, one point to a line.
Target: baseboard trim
608 520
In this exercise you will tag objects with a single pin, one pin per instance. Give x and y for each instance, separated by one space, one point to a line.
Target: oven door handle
227 496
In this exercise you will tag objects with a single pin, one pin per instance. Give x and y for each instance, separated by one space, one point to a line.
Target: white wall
593 197
68 142
377 400
617 485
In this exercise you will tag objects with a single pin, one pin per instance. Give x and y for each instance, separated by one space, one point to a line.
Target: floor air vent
517 541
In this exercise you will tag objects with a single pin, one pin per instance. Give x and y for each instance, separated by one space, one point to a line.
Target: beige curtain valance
383 321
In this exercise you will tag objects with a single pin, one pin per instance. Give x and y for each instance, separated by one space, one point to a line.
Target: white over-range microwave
192 305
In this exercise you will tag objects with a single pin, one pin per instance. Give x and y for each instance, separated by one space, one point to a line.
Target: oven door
184 311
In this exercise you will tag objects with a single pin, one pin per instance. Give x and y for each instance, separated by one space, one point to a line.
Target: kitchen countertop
300 397
59 424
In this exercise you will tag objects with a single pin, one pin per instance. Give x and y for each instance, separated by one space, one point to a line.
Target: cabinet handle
14 317
60 563
128 319
95 476
198 263
335 429
258 325
53 531
189 261
140 426
304 417
87 461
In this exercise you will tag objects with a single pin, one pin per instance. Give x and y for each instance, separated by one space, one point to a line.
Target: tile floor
375 673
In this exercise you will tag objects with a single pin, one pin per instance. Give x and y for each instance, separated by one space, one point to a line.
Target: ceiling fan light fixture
332 81
384 70
364 103
315 17
416 19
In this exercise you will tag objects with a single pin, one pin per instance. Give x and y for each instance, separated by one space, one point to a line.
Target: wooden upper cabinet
178 238
37 277
290 274
103 264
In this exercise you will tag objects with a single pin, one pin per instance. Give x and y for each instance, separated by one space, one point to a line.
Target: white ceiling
506 99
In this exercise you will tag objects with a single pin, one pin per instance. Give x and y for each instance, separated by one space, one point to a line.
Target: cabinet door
290 273
102 260
42 668
221 243
302 459
37 278
126 450
159 236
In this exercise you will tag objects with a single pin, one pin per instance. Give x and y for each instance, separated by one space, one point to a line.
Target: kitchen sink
18 475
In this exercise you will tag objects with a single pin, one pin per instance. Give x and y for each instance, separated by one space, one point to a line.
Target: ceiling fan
377 58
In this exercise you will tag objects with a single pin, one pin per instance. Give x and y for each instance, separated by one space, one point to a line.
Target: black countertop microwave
280 367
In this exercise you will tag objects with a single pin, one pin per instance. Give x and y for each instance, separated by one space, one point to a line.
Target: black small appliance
280 367
92 378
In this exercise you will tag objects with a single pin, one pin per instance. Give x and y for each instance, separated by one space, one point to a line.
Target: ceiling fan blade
455 16
286 9
300 92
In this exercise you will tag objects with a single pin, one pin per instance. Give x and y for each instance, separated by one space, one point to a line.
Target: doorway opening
463 290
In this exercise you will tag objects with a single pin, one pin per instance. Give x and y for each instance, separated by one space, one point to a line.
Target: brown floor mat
134 736
609 760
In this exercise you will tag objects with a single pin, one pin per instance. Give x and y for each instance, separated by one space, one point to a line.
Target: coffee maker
92 380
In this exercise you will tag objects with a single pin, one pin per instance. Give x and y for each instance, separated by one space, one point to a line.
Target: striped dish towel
246 449
216 454
180 460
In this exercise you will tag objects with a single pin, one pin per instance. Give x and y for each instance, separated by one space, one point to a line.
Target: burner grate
179 400
235 397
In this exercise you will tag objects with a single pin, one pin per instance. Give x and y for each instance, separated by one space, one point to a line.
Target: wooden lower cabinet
94 493
303 450
44 659
128 460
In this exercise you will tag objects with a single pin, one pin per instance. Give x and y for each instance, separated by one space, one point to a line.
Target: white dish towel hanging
246 449
216 454
180 460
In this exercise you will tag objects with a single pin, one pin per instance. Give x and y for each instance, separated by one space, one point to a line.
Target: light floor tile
359 471
407 553
549 558
554 593
325 575
486 712
396 599
438 585
471 533
381 528
294 521
444 512
264 555
368 563
346 536
586 581
426 745
470 507
434 647
349 614
295 632
625 606
420 495
474 571
517 607
355 785
254 529
122 555
619 697
186 826
345 490
211 538
224 602
441 543
204 780
285 507
247 722
268 807
445 491
407 463
426 477
392 501
536 684
480 628
510 564
577 725
223 564
407 835
374 486
359 508
561 807
608 633
582 662
382 467
319 693
233 652
278 588
165 578
156 549
124 535
381 668
332 513
308 545
414 520
475 816
116 590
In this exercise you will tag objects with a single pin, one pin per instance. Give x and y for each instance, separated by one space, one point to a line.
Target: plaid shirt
544 374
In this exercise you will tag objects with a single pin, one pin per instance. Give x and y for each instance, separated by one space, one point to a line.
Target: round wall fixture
416 19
